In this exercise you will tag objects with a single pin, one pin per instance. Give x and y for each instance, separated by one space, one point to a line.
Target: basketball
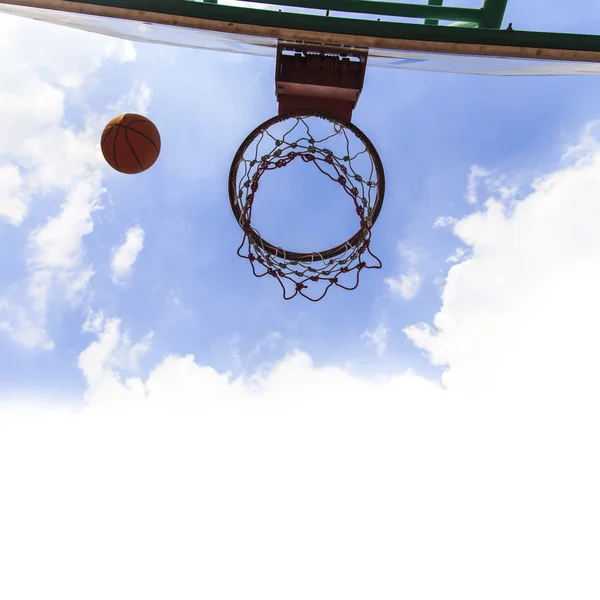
130 143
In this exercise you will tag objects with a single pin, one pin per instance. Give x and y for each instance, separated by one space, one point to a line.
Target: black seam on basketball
115 150
106 133
128 126
146 137
132 150
138 121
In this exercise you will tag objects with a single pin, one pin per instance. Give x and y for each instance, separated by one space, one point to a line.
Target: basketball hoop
338 150
317 88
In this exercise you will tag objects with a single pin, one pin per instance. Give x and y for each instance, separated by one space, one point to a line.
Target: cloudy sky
171 427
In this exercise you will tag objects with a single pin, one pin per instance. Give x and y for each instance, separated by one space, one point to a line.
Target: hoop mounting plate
319 78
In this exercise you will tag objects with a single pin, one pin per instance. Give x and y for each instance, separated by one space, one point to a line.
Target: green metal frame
490 15
434 3
368 23
345 25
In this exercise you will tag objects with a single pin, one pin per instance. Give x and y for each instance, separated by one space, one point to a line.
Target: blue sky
463 370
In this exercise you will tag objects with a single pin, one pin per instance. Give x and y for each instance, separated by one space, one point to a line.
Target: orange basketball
130 143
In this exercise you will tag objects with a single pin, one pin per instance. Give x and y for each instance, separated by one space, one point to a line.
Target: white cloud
299 480
74 56
410 256
444 222
459 255
407 285
42 154
12 195
587 145
521 311
112 350
475 175
136 101
33 132
58 243
125 256
17 323
378 338
267 343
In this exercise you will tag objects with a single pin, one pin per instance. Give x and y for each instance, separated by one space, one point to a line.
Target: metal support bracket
320 78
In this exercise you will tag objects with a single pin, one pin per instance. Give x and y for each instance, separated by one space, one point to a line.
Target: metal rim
255 237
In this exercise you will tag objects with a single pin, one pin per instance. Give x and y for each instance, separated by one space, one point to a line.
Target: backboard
425 37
